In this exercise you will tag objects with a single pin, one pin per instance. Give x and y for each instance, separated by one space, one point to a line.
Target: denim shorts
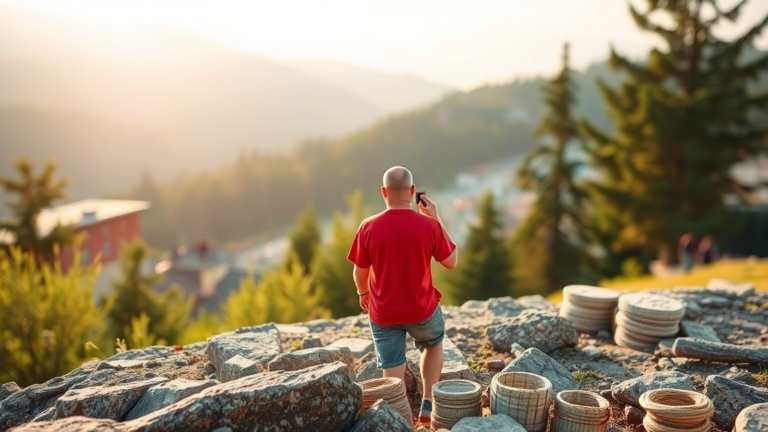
390 340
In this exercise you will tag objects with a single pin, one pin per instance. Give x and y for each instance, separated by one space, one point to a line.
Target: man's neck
398 206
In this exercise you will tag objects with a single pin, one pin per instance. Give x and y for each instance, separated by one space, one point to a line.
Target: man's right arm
431 210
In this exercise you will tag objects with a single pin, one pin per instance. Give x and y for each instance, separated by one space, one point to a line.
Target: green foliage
134 294
139 336
46 317
683 119
305 239
586 376
35 193
485 263
543 244
332 270
206 325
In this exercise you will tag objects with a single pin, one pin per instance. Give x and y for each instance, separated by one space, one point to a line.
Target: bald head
398 179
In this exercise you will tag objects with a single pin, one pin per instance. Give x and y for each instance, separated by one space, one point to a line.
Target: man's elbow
451 262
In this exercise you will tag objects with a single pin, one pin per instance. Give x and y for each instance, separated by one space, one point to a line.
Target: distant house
206 276
104 224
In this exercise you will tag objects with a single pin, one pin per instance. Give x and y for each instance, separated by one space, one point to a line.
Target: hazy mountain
389 92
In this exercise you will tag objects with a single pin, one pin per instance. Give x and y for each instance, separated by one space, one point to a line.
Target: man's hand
364 301
430 209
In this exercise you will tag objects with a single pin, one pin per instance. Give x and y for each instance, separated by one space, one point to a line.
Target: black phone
419 200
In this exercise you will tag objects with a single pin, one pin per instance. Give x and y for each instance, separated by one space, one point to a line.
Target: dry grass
755 271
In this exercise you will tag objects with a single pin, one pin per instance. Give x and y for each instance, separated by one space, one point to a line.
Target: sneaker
425 421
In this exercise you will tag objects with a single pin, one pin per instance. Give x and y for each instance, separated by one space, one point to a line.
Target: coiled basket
672 410
580 411
391 390
453 400
523 396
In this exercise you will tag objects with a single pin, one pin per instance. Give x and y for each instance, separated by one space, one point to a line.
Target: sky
462 43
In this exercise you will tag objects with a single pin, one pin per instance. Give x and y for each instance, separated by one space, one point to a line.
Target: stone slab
699 331
358 346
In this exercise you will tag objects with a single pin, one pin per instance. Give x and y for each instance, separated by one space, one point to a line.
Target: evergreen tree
305 239
546 256
35 193
135 294
46 316
683 119
485 267
332 270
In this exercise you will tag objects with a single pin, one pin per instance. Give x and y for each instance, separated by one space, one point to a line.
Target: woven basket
391 390
455 399
523 396
672 410
580 411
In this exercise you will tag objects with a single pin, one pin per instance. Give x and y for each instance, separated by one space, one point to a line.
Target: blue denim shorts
389 341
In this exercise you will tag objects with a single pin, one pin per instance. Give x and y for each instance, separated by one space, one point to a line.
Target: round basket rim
547 383
438 387
379 382
603 403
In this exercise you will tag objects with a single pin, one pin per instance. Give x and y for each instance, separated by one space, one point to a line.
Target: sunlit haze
457 43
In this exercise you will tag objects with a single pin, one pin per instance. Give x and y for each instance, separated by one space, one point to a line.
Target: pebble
666 363
592 353
496 364
213 376
209 368
764 330
734 369
634 415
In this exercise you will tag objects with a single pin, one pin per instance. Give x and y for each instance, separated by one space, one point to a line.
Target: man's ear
384 192
413 190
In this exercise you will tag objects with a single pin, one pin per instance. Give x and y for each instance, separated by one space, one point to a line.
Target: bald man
393 253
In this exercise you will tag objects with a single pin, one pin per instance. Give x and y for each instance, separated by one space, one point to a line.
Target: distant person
392 253
707 250
687 251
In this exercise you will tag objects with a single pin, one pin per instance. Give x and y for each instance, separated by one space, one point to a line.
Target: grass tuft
762 376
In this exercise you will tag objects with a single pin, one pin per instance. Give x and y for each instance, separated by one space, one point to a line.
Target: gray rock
504 307
8 389
753 419
166 394
495 423
730 397
472 305
740 290
319 398
381 417
238 367
260 344
628 392
496 364
310 357
47 415
311 342
358 346
536 362
213 376
692 309
24 405
592 353
698 331
536 301
119 364
150 353
715 302
664 348
517 350
633 415
77 423
209 368
533 329
110 402
666 363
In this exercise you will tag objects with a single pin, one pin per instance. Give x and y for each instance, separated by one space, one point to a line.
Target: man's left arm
362 278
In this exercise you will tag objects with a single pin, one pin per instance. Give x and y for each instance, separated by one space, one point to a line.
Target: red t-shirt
399 246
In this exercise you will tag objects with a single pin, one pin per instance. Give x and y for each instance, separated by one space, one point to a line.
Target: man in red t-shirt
392 253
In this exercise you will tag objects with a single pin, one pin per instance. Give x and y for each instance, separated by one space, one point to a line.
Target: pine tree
135 294
485 267
305 239
546 256
46 316
35 193
331 269
683 119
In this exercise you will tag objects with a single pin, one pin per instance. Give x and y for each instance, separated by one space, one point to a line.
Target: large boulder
752 419
76 423
24 405
310 357
730 397
534 361
495 423
503 307
109 402
319 398
260 344
166 394
629 391
533 329
381 417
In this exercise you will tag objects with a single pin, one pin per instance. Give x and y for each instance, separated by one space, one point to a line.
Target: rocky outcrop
260 344
534 361
310 357
237 367
629 392
533 329
8 389
166 394
103 402
730 397
381 417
